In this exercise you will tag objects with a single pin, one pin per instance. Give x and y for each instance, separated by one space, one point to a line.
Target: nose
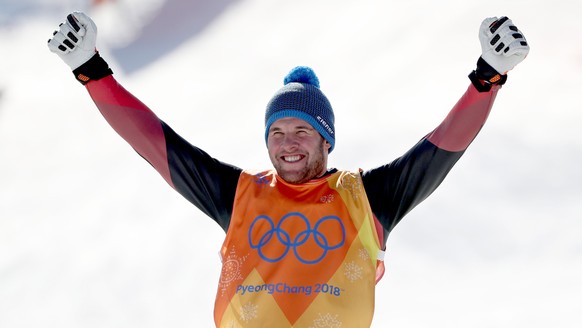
289 142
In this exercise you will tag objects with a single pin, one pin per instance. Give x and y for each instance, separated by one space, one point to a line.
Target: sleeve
396 188
204 181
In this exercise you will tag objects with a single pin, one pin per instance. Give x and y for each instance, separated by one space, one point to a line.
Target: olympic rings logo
275 236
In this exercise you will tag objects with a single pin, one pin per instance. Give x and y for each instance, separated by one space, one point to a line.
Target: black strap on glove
94 69
485 76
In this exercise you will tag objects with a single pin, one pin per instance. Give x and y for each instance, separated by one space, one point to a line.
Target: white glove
75 41
503 45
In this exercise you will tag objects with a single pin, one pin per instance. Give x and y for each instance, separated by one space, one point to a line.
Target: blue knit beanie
300 97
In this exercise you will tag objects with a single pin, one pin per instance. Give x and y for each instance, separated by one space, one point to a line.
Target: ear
326 145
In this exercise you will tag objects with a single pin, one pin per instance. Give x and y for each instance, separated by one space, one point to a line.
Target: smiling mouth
292 158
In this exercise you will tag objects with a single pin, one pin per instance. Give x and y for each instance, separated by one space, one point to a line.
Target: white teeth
294 158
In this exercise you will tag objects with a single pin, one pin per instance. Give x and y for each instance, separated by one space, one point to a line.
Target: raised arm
396 188
133 121
503 46
206 182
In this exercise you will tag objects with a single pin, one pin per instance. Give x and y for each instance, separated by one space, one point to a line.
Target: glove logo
294 231
83 78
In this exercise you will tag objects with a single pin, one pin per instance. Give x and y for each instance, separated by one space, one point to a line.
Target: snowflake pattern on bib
249 312
231 269
350 182
353 271
327 320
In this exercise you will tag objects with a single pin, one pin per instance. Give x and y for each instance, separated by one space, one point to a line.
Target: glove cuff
485 76
94 69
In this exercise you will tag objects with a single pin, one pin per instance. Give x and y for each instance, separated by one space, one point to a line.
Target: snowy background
91 236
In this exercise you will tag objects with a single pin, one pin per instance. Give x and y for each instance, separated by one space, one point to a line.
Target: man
304 243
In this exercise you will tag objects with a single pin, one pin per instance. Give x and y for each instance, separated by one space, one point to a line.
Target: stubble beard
312 170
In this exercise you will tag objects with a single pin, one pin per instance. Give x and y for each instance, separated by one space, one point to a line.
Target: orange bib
299 255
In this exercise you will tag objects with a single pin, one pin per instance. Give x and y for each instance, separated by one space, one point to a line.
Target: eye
276 133
302 132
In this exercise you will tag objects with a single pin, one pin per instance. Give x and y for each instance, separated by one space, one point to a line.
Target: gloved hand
503 45
75 40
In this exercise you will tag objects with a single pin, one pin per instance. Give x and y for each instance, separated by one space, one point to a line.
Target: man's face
298 152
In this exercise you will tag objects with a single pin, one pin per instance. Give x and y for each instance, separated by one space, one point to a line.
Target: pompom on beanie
301 97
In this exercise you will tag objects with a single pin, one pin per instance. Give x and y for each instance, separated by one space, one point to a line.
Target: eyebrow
306 127
299 127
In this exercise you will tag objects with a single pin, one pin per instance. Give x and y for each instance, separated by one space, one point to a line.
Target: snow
91 236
